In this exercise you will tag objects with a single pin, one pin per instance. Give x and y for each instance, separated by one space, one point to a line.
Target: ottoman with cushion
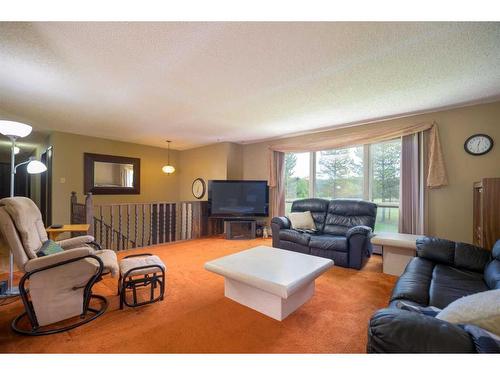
141 270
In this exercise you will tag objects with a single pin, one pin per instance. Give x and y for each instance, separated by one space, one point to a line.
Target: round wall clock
478 144
198 188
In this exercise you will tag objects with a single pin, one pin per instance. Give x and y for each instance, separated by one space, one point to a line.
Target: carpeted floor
195 317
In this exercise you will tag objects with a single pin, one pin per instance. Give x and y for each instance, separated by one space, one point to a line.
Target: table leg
267 303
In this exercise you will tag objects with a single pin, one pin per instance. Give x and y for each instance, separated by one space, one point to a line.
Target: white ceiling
197 83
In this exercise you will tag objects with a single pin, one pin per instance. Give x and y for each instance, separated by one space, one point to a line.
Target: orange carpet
195 317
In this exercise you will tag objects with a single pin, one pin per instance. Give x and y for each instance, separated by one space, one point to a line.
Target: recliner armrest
358 239
49 260
360 229
74 242
282 221
398 331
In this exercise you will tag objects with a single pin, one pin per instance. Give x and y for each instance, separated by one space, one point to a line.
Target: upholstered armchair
55 287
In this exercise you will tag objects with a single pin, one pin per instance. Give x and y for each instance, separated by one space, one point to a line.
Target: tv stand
239 228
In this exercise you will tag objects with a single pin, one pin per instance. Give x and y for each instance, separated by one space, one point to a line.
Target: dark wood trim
88 174
46 187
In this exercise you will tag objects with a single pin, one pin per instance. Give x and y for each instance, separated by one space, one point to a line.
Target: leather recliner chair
442 272
344 228
58 286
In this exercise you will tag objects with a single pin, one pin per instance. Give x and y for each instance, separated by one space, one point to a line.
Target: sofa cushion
49 247
436 249
28 221
340 258
317 206
492 269
471 257
449 284
480 309
495 252
414 283
327 242
455 254
492 274
302 220
292 235
347 213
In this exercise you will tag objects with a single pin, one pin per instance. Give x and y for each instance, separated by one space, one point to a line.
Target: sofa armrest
281 221
360 229
277 224
80 241
50 260
398 331
358 239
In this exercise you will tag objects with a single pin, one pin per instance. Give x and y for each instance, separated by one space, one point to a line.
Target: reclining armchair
58 286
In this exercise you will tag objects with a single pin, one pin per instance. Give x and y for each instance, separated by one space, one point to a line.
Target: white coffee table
272 281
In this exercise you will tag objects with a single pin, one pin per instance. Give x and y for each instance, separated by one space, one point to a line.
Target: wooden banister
89 212
121 226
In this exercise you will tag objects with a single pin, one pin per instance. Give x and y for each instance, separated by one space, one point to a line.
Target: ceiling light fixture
168 169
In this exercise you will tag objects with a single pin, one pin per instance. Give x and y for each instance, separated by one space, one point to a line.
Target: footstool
141 270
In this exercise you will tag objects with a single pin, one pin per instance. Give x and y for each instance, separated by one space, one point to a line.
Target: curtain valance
436 173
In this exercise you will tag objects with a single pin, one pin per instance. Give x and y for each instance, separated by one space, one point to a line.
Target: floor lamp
14 130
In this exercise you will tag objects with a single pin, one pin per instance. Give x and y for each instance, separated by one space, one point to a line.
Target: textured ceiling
197 83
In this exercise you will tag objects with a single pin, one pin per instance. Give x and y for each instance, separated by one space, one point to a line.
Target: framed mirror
108 174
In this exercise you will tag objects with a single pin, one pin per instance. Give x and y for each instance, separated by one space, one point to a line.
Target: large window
370 172
297 171
384 183
339 173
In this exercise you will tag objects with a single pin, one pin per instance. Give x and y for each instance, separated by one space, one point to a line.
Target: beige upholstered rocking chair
58 286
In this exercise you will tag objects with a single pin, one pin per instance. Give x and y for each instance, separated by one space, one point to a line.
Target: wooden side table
53 233
397 250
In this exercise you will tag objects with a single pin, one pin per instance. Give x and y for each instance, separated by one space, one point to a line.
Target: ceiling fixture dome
168 169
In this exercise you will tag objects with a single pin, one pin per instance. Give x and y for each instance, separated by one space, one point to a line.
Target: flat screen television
238 198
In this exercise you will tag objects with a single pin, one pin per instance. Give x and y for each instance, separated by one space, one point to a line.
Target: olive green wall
67 171
450 208
219 161
235 161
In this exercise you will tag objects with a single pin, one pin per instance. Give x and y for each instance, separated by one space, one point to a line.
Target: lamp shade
14 129
35 166
168 169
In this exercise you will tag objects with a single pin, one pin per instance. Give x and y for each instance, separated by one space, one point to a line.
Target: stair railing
122 226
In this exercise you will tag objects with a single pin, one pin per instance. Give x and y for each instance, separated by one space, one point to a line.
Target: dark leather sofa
442 272
344 228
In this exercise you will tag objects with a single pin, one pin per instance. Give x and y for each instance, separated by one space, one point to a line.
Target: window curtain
277 183
433 172
436 171
412 211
